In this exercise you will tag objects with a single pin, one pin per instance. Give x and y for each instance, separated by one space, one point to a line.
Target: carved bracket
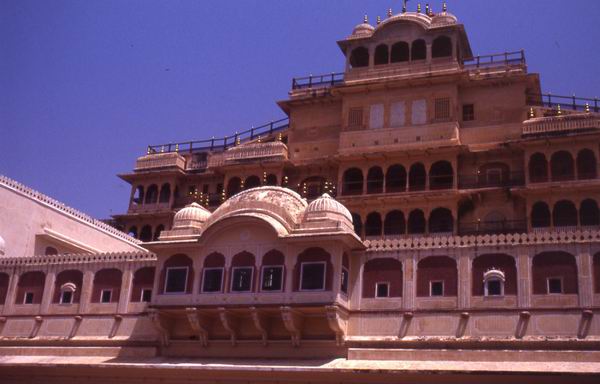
405 324
159 324
36 327
199 325
585 323
293 321
75 327
338 322
522 324
462 324
116 325
230 323
2 324
260 323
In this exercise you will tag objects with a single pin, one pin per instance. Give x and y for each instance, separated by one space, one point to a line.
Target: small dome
493 274
327 204
444 18
363 30
193 215
2 246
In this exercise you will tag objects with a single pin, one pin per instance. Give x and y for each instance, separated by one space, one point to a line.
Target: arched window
151 195
486 281
375 180
437 276
357 221
394 223
146 233
242 272
234 185
67 287
133 231
313 270
352 182
107 286
312 187
30 288
588 213
416 222
143 282
562 166
50 251
440 220
165 193
540 215
494 222
252 182
554 273
441 175
400 52
213 273
417 177
395 179
381 54
382 278
271 180
418 50
272 272
442 47
564 214
538 168
177 275
4 279
373 224
586 164
359 57
493 174
157 232
138 195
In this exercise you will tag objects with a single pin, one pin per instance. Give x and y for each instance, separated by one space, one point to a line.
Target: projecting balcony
161 161
482 181
272 151
562 124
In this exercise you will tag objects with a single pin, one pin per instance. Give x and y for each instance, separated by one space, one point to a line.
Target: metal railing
318 81
573 103
222 143
496 60
492 227
510 179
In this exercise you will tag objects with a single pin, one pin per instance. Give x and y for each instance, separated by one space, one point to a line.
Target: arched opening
400 52
107 286
417 177
538 168
589 214
30 288
151 195
143 282
359 57
272 272
313 270
382 278
165 193
416 222
562 166
586 164
395 179
234 185
213 273
564 214
493 174
394 223
242 272
540 215
177 275
494 222
437 276
499 262
133 231
50 251
67 287
4 280
157 232
554 273
138 195
352 182
146 233
373 224
381 54
442 47
271 180
357 222
375 180
441 175
252 182
312 187
441 221
418 50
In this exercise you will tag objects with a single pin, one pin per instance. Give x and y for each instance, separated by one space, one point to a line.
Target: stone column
48 294
86 291
524 280
429 55
464 269
125 295
290 261
355 280
585 279
336 260
410 282
11 295
197 264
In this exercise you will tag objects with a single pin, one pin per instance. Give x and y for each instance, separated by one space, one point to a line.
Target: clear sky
85 86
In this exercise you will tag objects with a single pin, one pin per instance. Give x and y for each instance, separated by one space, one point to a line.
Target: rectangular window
176 280
398 114
436 288
242 279
212 280
382 289
312 276
146 296
419 112
106 296
442 108
28 298
272 278
376 116
493 176
468 112
355 117
494 288
66 297
344 287
555 285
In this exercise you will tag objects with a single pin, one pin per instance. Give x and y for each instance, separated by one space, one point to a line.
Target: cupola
326 207
192 216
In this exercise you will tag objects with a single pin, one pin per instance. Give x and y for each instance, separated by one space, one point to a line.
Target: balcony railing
492 227
511 179
556 125
573 103
318 81
159 161
250 152
497 60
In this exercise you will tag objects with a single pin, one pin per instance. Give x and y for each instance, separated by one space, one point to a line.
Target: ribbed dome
327 204
2 246
193 215
363 30
444 18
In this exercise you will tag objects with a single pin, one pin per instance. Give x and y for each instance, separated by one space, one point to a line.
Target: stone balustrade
564 123
253 151
62 259
160 161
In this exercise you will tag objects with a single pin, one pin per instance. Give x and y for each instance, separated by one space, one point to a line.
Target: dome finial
404 6
419 8
444 6
389 13
366 20
427 9
378 20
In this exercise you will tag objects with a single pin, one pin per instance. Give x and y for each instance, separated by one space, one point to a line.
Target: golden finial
279 136
378 20
177 147
427 9
444 7
531 113
404 6
558 111
162 149
366 19
259 139
237 139
419 8
587 107
389 13
148 151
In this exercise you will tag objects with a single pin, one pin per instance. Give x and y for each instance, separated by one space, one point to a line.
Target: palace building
428 214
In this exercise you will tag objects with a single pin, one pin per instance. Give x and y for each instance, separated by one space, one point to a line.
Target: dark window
106 296
355 117
419 50
381 54
468 112
494 288
272 279
555 285
50 251
28 299
176 280
359 57
66 297
313 276
212 280
344 286
442 108
242 279
437 288
400 52
382 290
146 295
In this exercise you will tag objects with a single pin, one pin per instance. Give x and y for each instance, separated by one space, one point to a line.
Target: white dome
2 246
327 204
193 215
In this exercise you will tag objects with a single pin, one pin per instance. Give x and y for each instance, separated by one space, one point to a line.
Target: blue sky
85 86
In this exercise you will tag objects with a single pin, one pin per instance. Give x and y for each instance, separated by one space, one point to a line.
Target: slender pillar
11 295
464 293
86 291
585 280
125 295
410 279
48 293
524 280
